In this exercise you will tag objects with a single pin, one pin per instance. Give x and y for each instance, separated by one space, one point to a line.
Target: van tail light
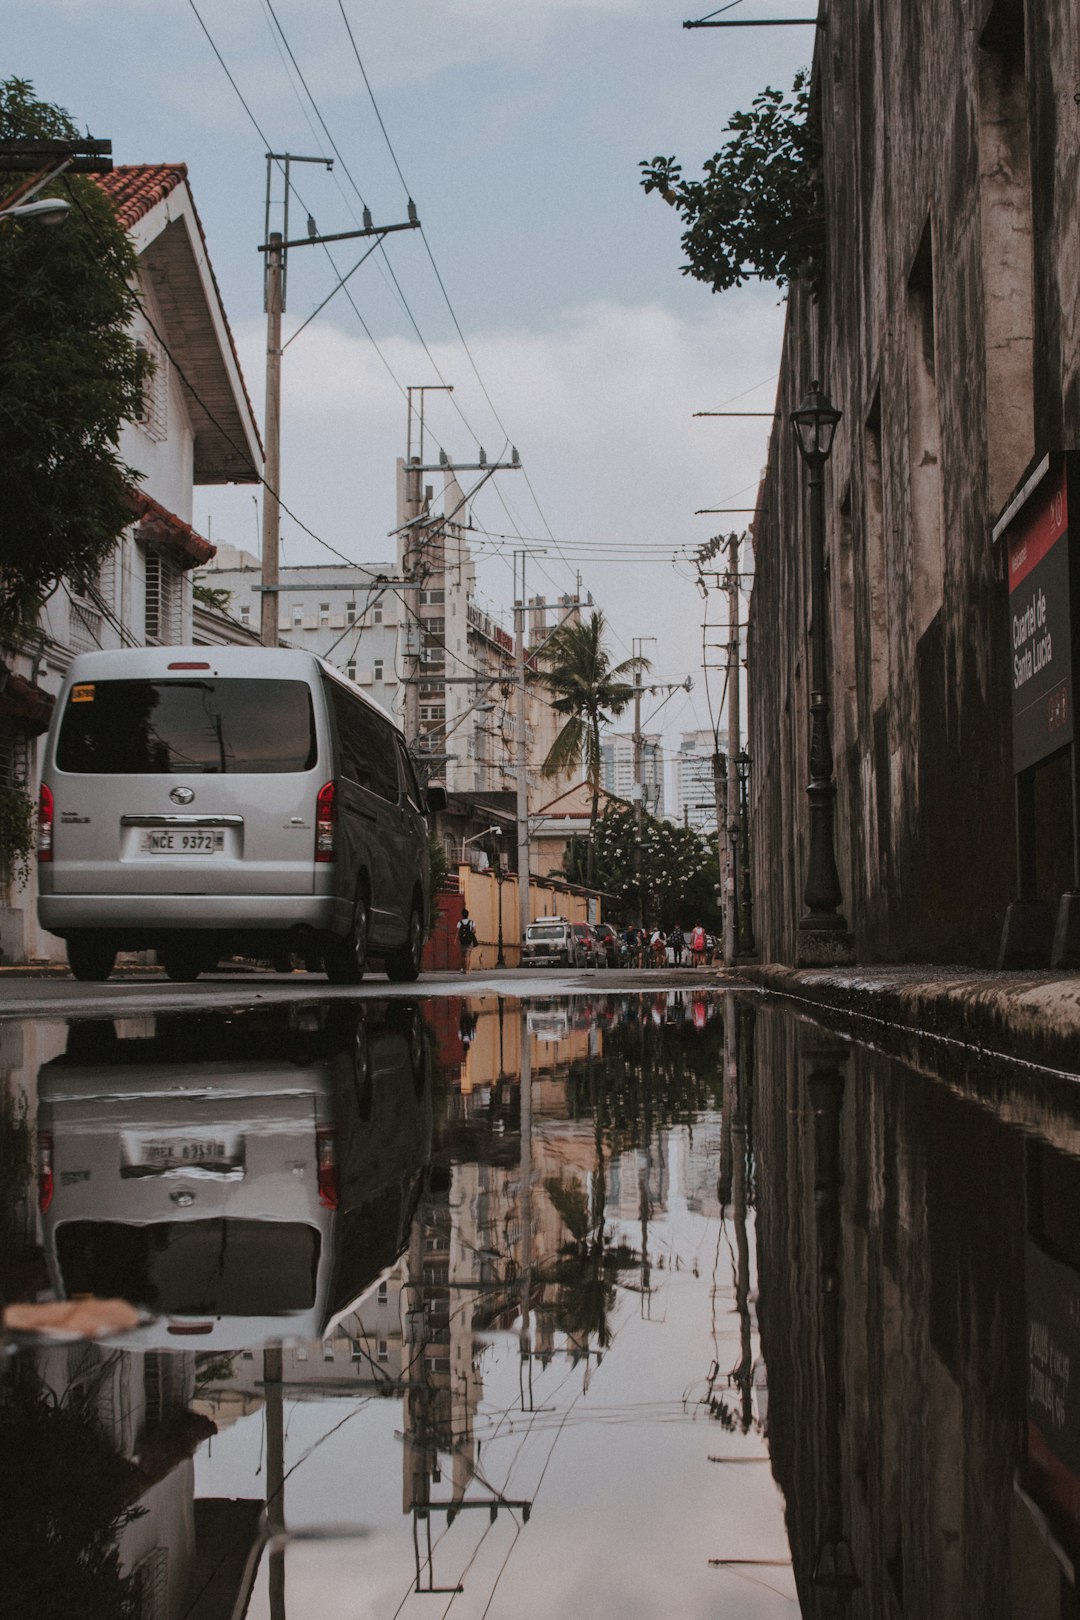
326 823
327 1162
45 823
45 1170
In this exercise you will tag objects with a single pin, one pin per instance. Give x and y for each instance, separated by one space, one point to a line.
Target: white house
197 427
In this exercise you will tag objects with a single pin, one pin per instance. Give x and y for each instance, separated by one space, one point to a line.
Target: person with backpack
466 934
698 945
677 940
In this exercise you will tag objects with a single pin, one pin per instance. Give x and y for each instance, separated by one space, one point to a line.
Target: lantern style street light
815 427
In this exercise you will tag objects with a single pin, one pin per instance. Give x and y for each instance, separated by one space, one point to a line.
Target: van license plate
175 842
217 1153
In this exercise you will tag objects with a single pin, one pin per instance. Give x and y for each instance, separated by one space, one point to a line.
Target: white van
207 801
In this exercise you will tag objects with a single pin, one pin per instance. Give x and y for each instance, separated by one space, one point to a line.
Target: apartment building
695 796
617 768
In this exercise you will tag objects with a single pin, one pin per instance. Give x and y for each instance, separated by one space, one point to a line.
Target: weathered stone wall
947 330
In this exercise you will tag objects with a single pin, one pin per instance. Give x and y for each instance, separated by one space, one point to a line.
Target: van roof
152 663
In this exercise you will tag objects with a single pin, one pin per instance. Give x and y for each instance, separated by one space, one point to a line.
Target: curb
1032 1018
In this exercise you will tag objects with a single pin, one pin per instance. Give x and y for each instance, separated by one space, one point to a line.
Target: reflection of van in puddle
241 1178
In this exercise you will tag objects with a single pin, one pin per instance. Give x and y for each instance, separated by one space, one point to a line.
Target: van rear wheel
345 960
403 966
91 959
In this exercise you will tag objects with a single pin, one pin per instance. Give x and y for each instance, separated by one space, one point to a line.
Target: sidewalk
1034 1017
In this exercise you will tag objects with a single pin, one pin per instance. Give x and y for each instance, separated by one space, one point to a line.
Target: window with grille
163 587
84 626
150 1578
13 761
350 612
154 416
383 1351
297 616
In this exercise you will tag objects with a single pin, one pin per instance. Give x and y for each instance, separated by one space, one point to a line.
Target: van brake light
45 824
326 823
45 1170
327 1164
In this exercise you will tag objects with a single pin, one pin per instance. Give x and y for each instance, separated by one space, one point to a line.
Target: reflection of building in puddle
120 1432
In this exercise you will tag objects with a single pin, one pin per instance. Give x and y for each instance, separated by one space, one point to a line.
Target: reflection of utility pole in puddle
275 1478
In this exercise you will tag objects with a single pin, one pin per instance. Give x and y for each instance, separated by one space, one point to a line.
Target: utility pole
731 814
416 530
275 247
522 759
637 791
271 510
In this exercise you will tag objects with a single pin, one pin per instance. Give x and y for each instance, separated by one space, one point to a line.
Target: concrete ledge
1033 1017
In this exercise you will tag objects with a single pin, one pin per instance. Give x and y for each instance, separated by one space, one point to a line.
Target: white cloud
602 410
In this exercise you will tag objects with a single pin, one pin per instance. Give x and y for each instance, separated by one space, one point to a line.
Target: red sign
1040 623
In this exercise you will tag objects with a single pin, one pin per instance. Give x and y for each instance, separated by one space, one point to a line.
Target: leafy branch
759 211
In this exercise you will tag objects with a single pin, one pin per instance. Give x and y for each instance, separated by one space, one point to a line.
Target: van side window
410 787
367 744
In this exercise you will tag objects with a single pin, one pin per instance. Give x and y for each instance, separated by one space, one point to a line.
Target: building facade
339 612
945 327
695 793
196 427
617 769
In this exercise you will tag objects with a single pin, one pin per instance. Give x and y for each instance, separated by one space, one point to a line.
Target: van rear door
185 783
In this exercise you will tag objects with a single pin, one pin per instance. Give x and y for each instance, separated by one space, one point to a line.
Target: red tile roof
157 523
135 188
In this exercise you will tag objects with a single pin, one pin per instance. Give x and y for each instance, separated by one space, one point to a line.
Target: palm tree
590 692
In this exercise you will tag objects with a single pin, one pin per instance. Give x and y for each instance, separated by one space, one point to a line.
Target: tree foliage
758 212
679 870
70 375
589 691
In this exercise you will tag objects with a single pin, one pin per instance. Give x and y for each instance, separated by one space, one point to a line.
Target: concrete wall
948 332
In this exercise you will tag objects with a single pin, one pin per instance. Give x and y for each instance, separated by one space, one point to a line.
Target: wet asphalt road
57 994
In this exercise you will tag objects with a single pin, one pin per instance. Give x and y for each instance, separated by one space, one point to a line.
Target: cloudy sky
517 127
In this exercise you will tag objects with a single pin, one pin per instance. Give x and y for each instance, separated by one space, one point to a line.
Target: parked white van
206 801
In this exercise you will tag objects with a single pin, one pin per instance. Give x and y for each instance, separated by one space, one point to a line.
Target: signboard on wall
1036 526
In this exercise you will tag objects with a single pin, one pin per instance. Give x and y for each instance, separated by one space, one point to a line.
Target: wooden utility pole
522 782
275 247
271 510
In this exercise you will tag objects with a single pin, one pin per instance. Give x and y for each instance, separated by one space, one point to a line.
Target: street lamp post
823 931
746 900
500 879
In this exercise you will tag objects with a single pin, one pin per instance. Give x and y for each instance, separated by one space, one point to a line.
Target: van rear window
171 727
214 1267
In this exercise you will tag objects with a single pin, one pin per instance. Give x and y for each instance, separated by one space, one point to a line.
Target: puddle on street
653 1304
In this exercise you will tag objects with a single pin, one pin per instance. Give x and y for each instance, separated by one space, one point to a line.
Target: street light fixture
42 211
815 427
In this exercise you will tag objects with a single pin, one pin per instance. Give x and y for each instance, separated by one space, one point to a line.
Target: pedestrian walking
698 944
677 941
466 934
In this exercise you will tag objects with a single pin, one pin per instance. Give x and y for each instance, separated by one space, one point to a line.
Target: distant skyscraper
617 768
695 798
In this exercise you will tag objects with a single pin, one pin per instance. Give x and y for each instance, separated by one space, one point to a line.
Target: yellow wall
481 894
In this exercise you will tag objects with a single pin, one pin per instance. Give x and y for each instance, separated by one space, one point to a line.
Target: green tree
72 375
759 211
589 691
671 879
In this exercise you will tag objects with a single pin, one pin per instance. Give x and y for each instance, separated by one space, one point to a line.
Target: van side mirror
435 799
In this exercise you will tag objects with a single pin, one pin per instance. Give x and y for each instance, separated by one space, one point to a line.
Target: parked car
549 942
208 801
